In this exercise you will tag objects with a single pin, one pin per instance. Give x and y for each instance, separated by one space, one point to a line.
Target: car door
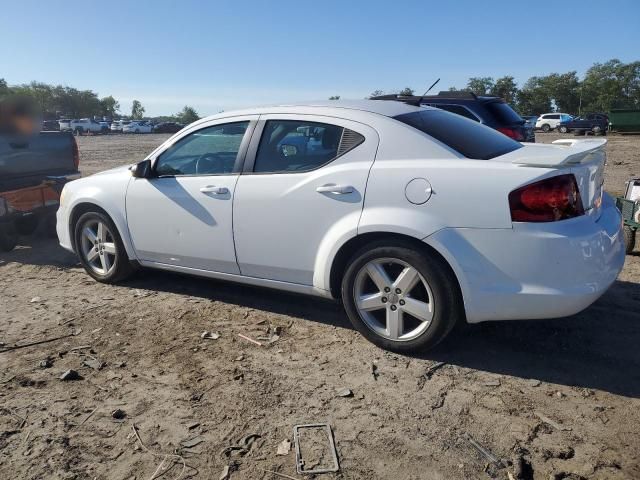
303 182
182 215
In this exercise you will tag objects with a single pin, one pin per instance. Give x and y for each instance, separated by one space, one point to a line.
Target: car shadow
596 349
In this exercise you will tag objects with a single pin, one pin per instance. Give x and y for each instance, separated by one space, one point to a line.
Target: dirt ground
554 399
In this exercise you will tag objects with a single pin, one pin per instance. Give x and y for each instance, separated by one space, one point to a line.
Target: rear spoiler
568 152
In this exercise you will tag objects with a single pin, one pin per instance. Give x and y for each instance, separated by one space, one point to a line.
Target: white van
549 121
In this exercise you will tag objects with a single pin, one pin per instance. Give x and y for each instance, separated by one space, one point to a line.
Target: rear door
304 176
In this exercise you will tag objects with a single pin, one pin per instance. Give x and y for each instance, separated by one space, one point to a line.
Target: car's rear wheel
399 298
100 248
546 127
596 130
8 237
629 239
562 129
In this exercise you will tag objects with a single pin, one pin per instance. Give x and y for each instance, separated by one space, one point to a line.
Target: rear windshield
504 113
465 136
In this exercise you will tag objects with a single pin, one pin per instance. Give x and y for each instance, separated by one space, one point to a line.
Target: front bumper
535 270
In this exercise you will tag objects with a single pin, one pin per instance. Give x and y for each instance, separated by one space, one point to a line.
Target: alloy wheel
98 247
393 299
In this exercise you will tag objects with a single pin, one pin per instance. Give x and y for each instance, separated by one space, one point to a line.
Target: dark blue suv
493 112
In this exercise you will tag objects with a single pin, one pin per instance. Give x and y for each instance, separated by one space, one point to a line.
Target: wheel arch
351 246
87 206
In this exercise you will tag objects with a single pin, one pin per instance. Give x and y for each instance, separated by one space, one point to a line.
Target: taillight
549 200
76 153
510 132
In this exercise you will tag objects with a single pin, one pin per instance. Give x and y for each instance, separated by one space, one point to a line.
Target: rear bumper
532 271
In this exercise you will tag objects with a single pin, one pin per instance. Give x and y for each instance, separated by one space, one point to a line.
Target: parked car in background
33 171
407 246
530 120
106 127
50 126
64 124
596 123
117 125
491 111
85 125
550 121
167 127
138 126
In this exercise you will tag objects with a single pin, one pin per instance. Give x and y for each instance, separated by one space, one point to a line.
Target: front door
304 182
182 216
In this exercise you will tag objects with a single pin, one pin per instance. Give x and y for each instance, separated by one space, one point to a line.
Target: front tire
629 239
399 298
100 249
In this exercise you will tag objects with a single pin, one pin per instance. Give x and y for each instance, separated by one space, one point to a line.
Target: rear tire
629 239
100 248
563 129
412 315
546 127
8 237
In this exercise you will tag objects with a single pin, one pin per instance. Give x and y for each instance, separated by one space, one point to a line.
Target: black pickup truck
33 170
596 123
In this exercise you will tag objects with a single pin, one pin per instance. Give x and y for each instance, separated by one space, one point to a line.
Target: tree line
608 85
58 101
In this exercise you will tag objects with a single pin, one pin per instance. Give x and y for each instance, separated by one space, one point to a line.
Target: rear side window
504 113
457 109
466 137
289 146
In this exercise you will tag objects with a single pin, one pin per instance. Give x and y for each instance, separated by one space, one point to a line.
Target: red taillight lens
549 200
76 153
510 132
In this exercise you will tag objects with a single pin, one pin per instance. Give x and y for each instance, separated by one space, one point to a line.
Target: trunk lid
585 159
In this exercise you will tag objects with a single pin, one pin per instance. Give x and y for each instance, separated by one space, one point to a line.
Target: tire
27 225
435 296
545 128
629 239
596 130
563 129
8 237
110 263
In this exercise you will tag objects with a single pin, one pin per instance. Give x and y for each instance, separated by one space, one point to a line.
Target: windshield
470 139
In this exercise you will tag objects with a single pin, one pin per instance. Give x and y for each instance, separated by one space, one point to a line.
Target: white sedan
137 127
414 217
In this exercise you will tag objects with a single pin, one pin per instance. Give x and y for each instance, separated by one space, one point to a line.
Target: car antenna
429 89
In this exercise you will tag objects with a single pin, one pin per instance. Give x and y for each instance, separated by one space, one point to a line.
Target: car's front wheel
399 298
100 248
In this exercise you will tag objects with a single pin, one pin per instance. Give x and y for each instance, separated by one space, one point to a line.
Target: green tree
109 106
334 97
533 98
505 87
564 91
4 88
187 115
480 85
376 93
137 110
612 84
406 91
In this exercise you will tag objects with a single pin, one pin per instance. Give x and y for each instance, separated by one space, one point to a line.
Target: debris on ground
374 371
209 335
226 471
192 442
93 363
492 383
486 453
284 447
70 375
249 339
35 300
242 447
303 469
552 423
533 382
344 392
432 368
272 335
46 363
118 414
193 425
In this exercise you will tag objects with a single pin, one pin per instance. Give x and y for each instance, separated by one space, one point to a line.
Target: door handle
215 190
338 189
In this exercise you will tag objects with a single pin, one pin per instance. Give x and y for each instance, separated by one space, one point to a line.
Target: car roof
387 108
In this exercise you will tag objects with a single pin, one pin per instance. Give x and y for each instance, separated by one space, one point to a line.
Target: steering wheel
209 163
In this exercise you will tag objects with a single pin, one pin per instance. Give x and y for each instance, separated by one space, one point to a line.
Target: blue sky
226 54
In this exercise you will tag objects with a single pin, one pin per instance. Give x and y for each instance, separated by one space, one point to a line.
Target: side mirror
141 170
289 150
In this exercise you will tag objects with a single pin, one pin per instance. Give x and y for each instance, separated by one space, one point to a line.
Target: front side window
296 146
210 151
